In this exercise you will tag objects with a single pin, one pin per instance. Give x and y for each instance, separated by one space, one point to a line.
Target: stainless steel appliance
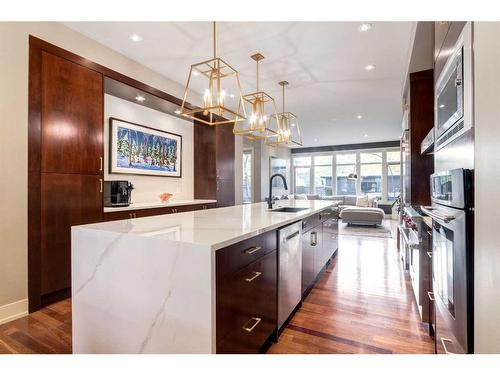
452 243
117 193
453 92
290 270
414 256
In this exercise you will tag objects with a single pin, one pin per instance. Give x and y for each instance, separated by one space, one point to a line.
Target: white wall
14 133
148 188
487 182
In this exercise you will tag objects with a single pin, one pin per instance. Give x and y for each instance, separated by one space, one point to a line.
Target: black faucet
270 200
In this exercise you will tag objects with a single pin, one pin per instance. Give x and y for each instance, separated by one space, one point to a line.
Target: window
371 173
375 173
323 175
346 185
302 180
393 181
393 175
371 179
247 176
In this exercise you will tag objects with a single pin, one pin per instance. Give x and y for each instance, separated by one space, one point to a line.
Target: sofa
357 210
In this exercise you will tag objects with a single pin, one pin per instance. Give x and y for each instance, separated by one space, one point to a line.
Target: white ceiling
323 61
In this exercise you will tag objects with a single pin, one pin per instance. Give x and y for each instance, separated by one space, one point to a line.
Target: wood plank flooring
363 303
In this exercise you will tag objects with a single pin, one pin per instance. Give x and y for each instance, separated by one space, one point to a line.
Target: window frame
357 164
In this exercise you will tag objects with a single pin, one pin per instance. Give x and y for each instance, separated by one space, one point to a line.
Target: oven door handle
406 239
434 215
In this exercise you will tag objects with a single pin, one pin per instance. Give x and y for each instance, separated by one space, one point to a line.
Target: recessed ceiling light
135 38
315 139
365 27
359 117
370 67
177 111
140 98
366 135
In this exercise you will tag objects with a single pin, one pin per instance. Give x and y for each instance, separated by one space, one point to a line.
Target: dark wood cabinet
419 118
319 243
214 163
330 238
205 174
72 117
246 294
133 214
66 200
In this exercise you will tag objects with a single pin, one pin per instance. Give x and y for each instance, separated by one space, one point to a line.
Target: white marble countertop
216 228
172 203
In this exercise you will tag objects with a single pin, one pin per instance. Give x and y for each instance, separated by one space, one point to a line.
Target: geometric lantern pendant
288 133
213 92
262 120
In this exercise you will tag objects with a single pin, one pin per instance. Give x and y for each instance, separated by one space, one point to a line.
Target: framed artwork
278 165
139 149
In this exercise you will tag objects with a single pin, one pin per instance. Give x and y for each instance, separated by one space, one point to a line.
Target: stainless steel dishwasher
290 270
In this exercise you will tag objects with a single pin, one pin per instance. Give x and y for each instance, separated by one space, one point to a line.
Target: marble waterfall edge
137 294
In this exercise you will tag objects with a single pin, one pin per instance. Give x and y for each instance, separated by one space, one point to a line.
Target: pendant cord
215 40
257 75
283 98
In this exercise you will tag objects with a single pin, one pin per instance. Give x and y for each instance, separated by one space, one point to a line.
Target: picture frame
143 150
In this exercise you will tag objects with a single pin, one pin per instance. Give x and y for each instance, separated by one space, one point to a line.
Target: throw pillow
300 196
362 201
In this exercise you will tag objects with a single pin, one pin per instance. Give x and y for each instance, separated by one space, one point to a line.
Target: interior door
67 200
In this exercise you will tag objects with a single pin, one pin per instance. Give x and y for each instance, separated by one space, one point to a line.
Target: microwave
450 95
453 92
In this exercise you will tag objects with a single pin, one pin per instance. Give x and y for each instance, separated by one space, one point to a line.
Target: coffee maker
117 193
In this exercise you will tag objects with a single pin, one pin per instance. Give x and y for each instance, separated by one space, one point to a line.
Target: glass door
247 176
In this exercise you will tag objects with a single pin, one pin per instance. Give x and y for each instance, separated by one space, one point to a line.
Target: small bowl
165 197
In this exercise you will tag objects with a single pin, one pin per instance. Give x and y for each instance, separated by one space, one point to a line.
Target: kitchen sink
289 209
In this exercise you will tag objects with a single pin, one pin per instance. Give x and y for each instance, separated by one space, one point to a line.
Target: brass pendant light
288 133
262 115
213 92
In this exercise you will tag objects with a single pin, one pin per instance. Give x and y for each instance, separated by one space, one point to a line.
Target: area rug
381 231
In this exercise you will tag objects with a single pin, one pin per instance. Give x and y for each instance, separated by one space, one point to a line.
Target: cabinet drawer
241 254
329 213
247 307
310 222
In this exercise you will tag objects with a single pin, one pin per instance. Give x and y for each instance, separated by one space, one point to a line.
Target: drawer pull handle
100 164
314 238
252 249
255 275
443 340
431 296
288 238
255 324
429 254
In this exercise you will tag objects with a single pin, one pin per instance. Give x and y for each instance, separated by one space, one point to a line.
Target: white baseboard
13 311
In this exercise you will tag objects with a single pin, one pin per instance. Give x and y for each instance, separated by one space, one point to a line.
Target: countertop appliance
453 92
452 243
117 193
290 271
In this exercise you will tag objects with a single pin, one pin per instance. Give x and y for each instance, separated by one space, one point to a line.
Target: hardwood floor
363 303
47 331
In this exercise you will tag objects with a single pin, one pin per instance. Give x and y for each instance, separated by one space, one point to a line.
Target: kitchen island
148 285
